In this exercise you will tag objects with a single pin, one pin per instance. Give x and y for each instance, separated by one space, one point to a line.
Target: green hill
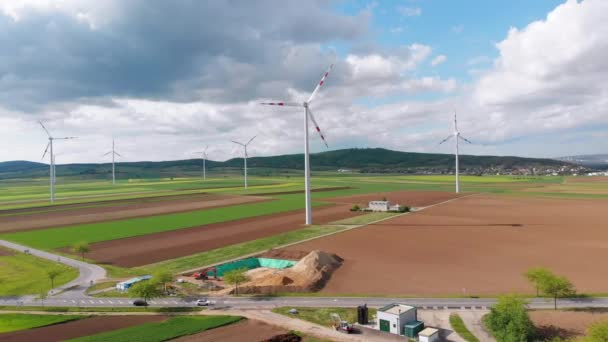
362 160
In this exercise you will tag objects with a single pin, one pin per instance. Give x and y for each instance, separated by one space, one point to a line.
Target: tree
597 332
508 320
235 277
163 277
536 275
52 274
145 290
557 287
82 248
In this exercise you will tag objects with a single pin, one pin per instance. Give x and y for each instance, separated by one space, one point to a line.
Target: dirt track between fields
79 328
246 330
119 211
151 248
472 246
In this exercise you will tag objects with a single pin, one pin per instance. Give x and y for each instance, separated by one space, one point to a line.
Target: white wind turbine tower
49 148
245 159
457 137
204 157
113 153
307 115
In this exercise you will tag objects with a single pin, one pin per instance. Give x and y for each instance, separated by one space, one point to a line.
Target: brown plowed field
147 249
244 331
79 328
119 211
475 245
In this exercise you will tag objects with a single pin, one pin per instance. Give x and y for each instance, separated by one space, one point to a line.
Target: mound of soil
309 274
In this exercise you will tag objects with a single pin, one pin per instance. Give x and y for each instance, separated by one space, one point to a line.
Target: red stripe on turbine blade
321 83
281 104
327 73
318 130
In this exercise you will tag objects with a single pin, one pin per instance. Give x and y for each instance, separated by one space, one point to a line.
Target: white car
203 302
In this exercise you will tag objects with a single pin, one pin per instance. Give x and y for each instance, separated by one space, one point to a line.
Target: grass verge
321 316
172 328
22 274
13 322
237 250
461 329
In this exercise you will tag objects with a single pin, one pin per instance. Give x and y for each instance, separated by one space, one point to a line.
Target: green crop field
22 274
13 322
171 328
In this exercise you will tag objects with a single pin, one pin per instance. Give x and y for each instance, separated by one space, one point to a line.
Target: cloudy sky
166 78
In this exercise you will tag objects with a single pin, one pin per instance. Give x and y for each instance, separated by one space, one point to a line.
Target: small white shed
428 335
393 318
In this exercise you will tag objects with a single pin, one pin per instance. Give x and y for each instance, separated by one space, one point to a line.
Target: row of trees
153 288
550 284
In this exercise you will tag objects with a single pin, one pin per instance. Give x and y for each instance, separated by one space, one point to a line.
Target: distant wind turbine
113 153
49 149
457 137
204 157
245 159
307 115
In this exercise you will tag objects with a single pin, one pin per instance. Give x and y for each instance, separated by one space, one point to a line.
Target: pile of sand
309 274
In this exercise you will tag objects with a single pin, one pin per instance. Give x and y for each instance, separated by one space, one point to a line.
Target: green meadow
14 322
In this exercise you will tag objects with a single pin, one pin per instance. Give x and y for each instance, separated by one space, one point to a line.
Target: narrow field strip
172 328
97 232
15 322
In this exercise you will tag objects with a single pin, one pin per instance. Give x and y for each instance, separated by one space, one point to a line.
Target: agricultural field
182 224
79 328
566 324
481 243
22 274
15 322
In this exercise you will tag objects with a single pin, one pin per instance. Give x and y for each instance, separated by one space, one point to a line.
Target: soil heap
309 274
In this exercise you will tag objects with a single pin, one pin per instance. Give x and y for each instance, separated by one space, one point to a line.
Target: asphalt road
272 302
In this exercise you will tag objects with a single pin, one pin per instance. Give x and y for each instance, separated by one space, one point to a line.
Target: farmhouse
399 319
383 206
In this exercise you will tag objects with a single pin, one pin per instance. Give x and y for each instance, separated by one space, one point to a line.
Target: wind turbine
457 137
49 148
307 115
204 156
245 159
113 153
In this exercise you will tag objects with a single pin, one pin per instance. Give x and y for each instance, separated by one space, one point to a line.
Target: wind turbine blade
250 140
236 142
118 154
285 104
44 128
312 118
65 138
320 84
446 139
465 139
455 122
206 148
105 154
46 150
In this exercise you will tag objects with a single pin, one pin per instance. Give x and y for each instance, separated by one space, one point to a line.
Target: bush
508 320
355 208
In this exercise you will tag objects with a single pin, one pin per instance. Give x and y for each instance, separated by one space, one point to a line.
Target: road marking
111 302
174 302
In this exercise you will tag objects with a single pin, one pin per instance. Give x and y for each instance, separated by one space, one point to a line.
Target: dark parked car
139 302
